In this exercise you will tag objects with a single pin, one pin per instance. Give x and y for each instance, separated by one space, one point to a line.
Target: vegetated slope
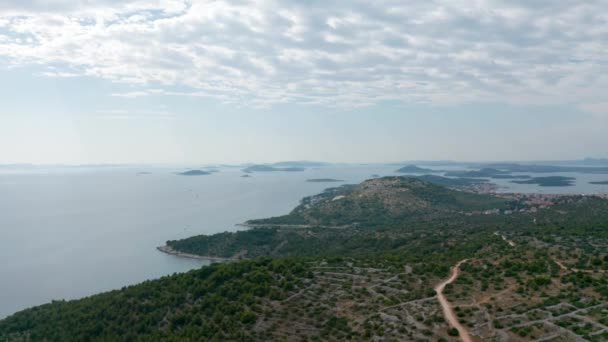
378 214
218 302
383 201
396 213
356 282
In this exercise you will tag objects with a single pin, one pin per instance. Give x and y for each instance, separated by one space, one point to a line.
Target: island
510 176
453 182
324 180
548 181
414 169
268 168
300 164
600 182
388 259
484 172
195 173
534 168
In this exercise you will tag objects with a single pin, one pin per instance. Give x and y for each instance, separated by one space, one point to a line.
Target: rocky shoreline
169 250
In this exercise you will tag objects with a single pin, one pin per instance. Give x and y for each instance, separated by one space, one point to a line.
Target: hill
361 262
383 201
414 169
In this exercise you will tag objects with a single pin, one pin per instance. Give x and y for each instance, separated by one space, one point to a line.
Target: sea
71 232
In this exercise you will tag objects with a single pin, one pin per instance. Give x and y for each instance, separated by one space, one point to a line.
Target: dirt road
448 312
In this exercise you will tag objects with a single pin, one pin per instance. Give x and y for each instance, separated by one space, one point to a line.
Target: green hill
414 169
383 201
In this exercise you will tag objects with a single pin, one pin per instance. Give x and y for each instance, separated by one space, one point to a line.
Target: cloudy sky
95 81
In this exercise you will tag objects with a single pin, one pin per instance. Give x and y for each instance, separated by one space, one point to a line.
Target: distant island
143 173
299 164
529 168
246 176
324 180
484 172
451 182
600 182
195 173
548 181
511 177
414 169
268 168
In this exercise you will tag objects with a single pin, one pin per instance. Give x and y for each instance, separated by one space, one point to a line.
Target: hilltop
387 213
382 201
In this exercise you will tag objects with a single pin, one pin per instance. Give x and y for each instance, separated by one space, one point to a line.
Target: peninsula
379 260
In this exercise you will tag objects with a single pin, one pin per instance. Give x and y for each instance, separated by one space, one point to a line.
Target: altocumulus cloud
344 53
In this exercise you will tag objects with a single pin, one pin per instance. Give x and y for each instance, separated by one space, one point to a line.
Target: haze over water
72 232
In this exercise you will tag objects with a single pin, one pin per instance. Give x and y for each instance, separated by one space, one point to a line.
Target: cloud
597 109
131 94
351 53
123 114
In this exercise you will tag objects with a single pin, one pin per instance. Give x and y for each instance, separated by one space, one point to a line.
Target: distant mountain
268 168
414 169
195 173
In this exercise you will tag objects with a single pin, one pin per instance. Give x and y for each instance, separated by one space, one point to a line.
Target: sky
189 81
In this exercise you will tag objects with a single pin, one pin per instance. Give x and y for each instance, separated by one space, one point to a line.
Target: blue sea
70 232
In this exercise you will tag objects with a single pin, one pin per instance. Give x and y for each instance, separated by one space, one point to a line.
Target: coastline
169 250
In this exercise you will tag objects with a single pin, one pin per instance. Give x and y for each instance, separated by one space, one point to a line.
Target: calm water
69 233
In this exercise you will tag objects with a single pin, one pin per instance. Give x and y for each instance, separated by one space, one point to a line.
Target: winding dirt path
504 238
448 312
566 268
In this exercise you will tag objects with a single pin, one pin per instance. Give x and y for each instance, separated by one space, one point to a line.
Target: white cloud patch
131 94
597 109
124 114
328 53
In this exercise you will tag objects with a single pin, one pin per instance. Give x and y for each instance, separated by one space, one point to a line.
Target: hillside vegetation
360 262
